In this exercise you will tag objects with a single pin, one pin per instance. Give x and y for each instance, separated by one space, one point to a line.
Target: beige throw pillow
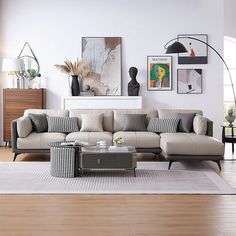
91 122
24 126
200 125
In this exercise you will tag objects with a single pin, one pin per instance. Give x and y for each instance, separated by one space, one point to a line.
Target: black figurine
133 85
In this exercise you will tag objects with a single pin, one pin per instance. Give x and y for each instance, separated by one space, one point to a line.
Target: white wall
229 18
54 30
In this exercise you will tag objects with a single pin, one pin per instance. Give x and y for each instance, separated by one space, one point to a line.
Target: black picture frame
120 61
197 51
189 81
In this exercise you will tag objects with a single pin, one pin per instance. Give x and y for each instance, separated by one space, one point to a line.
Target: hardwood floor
118 214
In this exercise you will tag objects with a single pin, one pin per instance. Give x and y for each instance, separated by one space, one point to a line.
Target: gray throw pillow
135 122
39 122
185 122
165 125
62 124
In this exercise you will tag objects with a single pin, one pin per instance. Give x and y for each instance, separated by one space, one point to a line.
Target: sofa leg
15 155
170 163
219 165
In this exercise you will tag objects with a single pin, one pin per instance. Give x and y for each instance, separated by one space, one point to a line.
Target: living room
181 182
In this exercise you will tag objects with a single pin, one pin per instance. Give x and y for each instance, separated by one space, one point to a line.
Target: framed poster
159 73
104 56
189 81
197 51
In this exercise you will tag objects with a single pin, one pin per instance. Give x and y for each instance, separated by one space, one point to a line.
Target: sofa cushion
39 140
119 116
135 122
24 126
107 117
190 144
168 113
185 122
200 125
90 137
139 139
49 112
165 125
62 124
39 122
92 123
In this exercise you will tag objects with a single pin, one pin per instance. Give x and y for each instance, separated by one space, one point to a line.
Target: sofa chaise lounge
174 146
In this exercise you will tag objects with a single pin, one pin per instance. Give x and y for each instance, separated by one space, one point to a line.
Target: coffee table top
95 149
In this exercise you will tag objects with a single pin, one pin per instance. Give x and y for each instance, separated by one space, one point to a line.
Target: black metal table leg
232 132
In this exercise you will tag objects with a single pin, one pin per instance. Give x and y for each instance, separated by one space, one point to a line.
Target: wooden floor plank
118 214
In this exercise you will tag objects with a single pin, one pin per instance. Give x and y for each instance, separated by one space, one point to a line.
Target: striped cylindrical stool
63 161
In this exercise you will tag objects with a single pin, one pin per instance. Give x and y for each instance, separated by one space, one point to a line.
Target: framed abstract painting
189 81
104 56
159 73
197 50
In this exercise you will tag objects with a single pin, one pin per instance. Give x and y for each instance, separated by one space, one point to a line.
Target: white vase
25 83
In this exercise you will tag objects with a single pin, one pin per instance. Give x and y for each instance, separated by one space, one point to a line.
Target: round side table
64 160
228 138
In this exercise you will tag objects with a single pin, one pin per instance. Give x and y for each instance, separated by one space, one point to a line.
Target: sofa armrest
209 127
14 135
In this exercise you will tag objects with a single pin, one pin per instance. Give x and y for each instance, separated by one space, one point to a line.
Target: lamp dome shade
176 47
11 65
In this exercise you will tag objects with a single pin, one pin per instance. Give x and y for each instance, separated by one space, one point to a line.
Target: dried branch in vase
79 67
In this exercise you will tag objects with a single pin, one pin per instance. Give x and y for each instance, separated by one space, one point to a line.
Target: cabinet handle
99 161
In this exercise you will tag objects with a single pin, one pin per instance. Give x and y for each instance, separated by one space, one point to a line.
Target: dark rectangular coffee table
93 158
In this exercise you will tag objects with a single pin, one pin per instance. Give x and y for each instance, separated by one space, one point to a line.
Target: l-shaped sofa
174 146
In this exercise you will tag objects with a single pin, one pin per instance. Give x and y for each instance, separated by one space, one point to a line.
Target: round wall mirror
30 65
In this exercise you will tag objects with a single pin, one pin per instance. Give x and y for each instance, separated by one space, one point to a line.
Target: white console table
102 102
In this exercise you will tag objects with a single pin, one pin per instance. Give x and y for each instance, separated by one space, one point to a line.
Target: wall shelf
102 102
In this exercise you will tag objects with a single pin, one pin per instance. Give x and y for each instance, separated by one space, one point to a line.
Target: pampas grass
79 67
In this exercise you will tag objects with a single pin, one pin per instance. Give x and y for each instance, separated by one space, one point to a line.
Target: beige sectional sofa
175 146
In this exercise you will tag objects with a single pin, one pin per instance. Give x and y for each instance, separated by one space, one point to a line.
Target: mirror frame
20 56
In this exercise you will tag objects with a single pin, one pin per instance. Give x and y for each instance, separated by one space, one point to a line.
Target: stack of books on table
121 149
76 143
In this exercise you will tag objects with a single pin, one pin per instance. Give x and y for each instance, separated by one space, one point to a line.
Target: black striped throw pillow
62 124
165 125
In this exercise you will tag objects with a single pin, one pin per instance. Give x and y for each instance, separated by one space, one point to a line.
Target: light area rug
152 178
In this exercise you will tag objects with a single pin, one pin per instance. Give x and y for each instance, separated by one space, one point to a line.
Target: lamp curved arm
199 40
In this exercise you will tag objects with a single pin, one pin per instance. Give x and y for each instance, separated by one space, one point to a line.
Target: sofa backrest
113 120
171 113
107 116
49 112
119 116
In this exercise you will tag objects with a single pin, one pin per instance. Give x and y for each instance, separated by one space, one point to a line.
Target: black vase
75 88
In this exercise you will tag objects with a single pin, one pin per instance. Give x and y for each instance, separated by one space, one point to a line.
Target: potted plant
78 69
118 141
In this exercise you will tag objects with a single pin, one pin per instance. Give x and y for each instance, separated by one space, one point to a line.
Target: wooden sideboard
15 101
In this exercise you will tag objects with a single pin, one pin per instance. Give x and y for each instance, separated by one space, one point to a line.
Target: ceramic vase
75 88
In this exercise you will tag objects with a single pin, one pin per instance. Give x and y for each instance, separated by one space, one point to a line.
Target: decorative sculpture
133 85
230 117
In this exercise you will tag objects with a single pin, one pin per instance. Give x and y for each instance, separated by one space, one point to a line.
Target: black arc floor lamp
178 47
